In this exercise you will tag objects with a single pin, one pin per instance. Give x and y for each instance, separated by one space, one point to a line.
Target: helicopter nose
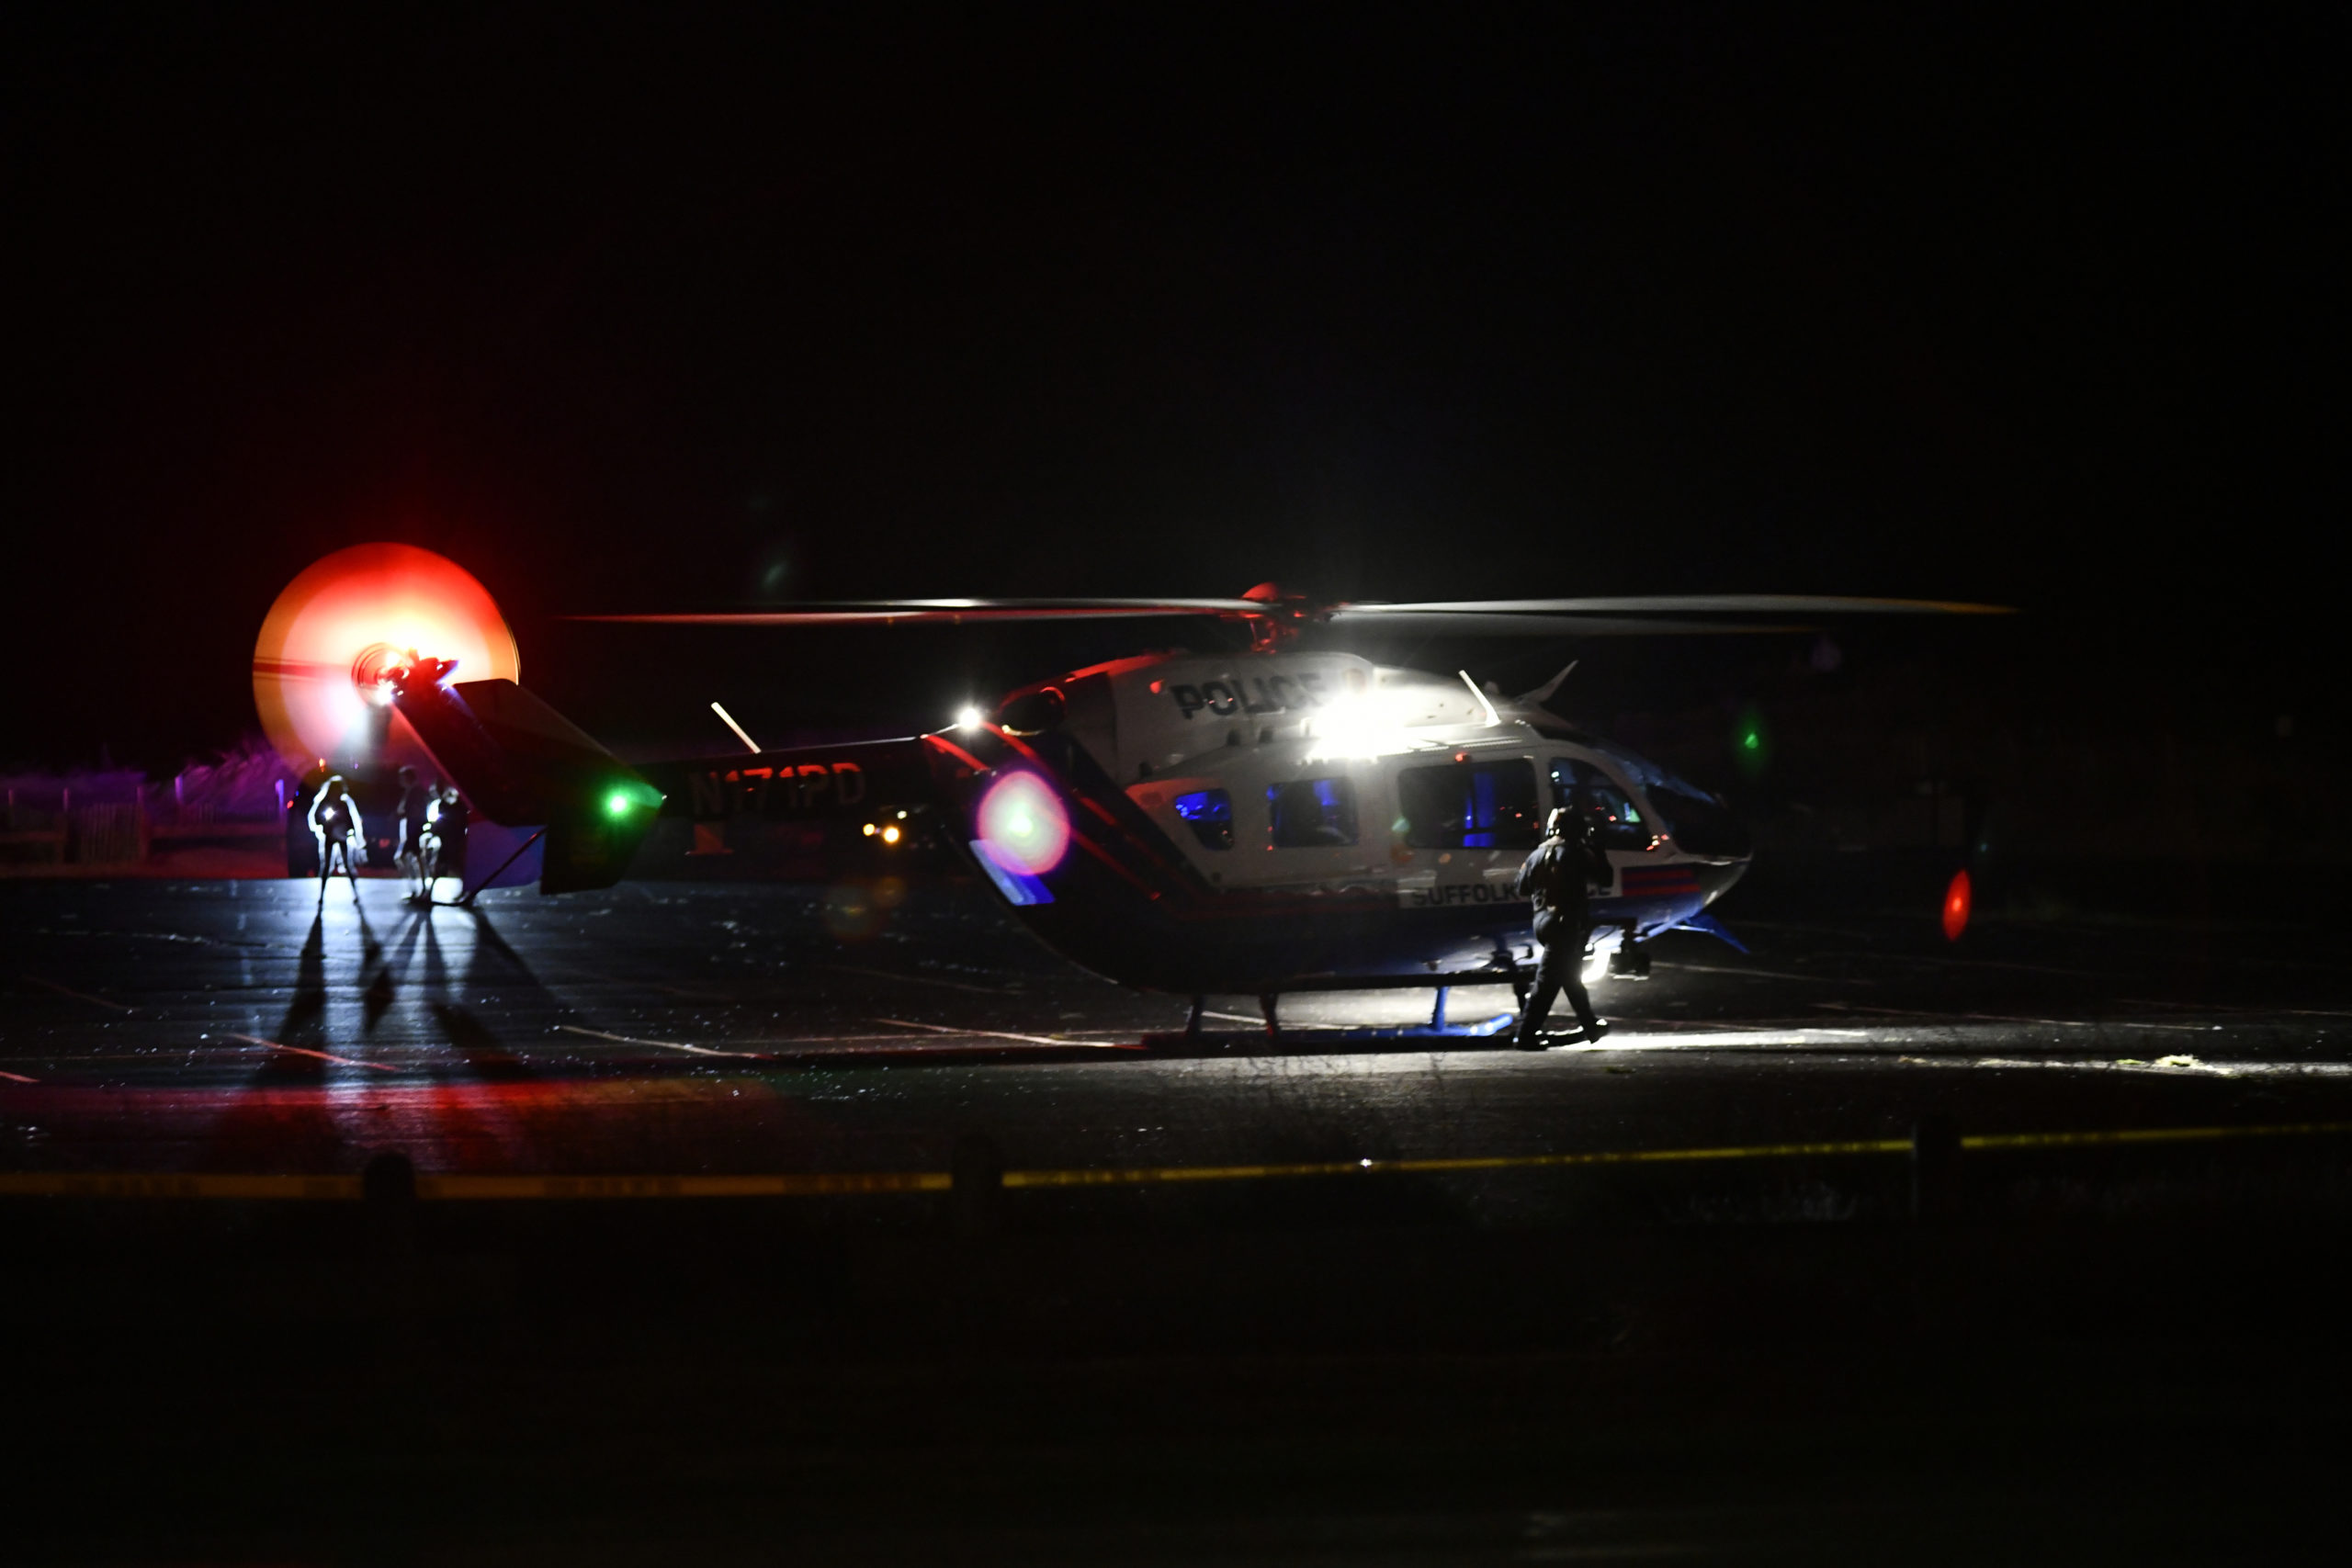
1024 822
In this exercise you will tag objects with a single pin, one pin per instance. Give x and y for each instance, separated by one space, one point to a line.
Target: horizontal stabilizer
1543 694
522 763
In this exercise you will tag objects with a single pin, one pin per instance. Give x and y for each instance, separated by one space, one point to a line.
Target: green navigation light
1751 742
617 804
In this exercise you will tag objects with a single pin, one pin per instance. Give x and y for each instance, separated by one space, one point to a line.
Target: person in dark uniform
444 834
1557 878
408 826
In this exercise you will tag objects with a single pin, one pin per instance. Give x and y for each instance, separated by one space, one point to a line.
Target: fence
118 818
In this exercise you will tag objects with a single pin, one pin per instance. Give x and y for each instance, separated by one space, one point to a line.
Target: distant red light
1957 900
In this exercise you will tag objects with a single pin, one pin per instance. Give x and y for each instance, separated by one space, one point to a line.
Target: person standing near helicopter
1557 878
410 854
335 819
444 839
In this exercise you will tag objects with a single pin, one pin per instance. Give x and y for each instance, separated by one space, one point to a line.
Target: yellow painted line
2150 1136
813 1185
120 1184
1146 1174
463 1188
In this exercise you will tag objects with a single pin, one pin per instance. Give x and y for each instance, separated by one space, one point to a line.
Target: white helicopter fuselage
1303 781
1170 727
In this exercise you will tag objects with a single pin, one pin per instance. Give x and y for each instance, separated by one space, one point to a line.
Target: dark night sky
645 312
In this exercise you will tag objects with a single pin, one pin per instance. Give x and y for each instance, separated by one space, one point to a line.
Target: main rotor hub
345 634
1284 616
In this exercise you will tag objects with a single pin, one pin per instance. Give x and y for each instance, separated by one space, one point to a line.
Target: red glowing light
1956 906
1024 822
363 608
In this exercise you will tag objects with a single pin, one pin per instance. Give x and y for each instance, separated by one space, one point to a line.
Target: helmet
1563 823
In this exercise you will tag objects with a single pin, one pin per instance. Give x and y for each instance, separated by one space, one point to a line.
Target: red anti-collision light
1024 822
1956 905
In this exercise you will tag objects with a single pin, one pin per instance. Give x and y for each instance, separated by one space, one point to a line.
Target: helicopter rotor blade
1631 616
945 612
1684 604
302 670
1441 622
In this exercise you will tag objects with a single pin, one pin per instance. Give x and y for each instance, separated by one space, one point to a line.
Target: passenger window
1477 805
1313 814
1209 813
1616 823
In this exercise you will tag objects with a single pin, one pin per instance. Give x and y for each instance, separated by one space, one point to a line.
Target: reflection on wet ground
1929 1347
699 1027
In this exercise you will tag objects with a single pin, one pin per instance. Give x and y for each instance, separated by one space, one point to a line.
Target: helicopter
1287 816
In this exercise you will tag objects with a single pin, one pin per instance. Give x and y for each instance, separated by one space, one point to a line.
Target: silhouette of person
409 851
445 835
1557 879
335 821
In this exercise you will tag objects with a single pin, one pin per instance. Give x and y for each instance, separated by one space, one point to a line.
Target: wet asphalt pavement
704 1027
1208 1331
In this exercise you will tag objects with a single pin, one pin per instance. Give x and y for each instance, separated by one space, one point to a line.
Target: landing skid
1438 1027
1486 1029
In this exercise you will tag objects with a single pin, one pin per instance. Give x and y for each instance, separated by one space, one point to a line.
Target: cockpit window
1617 823
1209 813
1313 814
1701 824
1479 806
1648 775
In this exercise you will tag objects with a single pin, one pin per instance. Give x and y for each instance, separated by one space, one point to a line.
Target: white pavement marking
304 1051
664 1045
2224 1007
1990 963
2164 1066
781 1046
69 991
2007 1018
1000 1034
1623 1040
1762 974
924 980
